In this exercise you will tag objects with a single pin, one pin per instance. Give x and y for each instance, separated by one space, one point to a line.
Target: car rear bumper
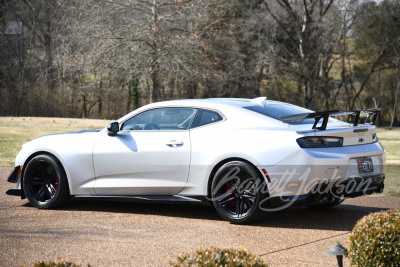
306 169
324 192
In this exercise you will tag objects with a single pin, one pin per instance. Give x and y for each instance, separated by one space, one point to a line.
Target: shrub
218 257
60 263
375 240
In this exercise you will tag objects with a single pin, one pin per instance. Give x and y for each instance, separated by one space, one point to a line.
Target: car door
150 155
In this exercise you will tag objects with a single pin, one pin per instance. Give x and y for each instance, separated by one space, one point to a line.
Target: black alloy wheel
237 190
45 183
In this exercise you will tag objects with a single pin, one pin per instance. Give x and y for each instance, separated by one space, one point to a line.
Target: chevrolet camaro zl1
244 156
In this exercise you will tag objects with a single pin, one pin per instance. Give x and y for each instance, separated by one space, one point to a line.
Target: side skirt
154 199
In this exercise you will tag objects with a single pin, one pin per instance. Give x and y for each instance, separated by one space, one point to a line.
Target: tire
236 192
45 183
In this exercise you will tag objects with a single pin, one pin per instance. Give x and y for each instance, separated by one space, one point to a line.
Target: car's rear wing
324 115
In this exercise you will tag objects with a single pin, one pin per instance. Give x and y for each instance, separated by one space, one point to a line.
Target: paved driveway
137 234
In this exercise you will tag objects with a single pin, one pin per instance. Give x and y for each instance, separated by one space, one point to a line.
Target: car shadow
127 139
173 209
340 218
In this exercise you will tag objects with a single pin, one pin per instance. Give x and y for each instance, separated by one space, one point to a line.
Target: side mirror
113 128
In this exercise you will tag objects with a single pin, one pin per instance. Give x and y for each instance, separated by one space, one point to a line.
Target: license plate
365 165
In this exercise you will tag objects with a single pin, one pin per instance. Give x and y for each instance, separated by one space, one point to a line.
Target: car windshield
277 111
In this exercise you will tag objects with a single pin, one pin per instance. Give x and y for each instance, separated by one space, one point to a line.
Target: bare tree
149 41
309 33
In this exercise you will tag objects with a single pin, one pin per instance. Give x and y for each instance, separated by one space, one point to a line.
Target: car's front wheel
45 183
237 191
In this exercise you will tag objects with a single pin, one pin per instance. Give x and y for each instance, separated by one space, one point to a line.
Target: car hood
77 132
75 136
63 146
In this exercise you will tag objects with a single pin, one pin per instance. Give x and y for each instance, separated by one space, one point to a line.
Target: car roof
218 102
224 105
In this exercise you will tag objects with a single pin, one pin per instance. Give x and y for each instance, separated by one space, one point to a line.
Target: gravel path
137 234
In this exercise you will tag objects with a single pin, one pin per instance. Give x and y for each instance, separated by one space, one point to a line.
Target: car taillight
319 141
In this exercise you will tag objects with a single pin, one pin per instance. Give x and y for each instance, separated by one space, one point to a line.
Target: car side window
161 119
204 117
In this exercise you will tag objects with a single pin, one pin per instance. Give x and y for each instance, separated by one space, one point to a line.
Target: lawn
390 139
14 131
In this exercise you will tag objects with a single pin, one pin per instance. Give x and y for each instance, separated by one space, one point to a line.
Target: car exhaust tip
380 188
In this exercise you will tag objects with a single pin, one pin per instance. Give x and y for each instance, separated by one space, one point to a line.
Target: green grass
390 139
392 181
16 131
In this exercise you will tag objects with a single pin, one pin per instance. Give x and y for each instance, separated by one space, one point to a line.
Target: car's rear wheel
45 183
237 191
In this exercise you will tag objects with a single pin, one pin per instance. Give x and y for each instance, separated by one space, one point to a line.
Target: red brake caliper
228 189
56 184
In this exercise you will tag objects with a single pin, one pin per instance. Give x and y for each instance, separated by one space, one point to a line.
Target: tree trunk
308 95
84 107
100 97
50 70
155 89
21 99
129 103
395 105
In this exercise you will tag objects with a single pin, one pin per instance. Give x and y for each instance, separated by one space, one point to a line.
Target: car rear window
277 111
204 117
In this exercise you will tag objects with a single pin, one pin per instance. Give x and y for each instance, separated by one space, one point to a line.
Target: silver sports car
244 156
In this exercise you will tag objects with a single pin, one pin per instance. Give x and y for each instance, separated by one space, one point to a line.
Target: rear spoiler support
370 118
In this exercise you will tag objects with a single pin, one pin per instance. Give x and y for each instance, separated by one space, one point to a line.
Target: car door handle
174 143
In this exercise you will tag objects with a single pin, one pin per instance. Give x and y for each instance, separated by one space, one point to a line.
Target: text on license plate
365 165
